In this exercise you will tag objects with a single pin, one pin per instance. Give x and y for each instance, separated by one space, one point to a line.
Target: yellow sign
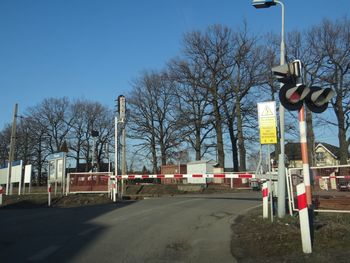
267 122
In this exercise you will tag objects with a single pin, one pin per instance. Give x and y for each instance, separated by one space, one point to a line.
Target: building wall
173 169
199 168
295 164
324 158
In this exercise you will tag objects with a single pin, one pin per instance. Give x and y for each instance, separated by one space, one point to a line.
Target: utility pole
122 109
116 156
12 151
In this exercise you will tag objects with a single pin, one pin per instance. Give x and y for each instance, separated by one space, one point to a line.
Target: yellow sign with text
267 122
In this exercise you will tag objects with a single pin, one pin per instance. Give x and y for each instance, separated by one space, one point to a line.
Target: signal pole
121 113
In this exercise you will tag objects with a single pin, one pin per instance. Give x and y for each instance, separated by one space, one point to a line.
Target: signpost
268 135
57 170
267 122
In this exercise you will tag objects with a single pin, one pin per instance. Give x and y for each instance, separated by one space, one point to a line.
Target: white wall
199 168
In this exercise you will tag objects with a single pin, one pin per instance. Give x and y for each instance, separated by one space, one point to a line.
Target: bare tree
151 115
211 53
331 42
247 72
192 106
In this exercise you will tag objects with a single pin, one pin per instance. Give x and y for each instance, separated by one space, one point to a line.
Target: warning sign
267 122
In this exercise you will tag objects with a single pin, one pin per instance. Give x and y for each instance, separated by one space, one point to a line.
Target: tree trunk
77 158
154 154
233 140
219 139
343 149
198 144
241 147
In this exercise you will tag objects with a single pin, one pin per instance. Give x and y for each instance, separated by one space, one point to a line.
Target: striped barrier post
265 194
304 155
114 191
304 219
49 193
111 190
1 192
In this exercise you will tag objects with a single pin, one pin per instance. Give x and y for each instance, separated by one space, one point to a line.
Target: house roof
334 150
293 150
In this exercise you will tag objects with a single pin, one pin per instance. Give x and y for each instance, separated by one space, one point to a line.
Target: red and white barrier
114 191
49 194
304 219
265 194
1 192
330 177
184 176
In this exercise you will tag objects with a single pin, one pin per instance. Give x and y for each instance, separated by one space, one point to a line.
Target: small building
200 167
173 169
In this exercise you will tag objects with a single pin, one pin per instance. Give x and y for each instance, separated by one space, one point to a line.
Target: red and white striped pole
265 194
304 219
49 193
304 155
1 192
114 190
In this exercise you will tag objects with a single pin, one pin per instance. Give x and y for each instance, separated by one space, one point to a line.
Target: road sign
267 122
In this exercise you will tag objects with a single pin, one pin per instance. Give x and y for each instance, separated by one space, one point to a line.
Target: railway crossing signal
294 93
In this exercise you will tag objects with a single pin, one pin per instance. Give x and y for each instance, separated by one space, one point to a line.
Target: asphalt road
173 229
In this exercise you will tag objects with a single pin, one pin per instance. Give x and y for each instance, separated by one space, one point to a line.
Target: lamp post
281 163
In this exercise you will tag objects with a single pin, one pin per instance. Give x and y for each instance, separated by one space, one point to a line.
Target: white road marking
43 254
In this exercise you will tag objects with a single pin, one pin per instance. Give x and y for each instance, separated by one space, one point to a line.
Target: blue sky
94 49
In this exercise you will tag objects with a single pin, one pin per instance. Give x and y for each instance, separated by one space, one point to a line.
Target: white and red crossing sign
184 176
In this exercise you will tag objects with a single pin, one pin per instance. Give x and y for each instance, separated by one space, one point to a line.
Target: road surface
171 229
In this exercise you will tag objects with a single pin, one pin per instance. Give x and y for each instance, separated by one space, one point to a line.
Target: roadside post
114 190
1 192
265 194
49 193
304 219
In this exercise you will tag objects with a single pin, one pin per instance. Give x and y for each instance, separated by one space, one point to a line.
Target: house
325 154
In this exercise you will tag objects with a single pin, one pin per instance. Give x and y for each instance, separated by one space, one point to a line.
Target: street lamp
281 164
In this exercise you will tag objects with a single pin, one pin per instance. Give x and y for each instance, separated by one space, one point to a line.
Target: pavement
191 228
